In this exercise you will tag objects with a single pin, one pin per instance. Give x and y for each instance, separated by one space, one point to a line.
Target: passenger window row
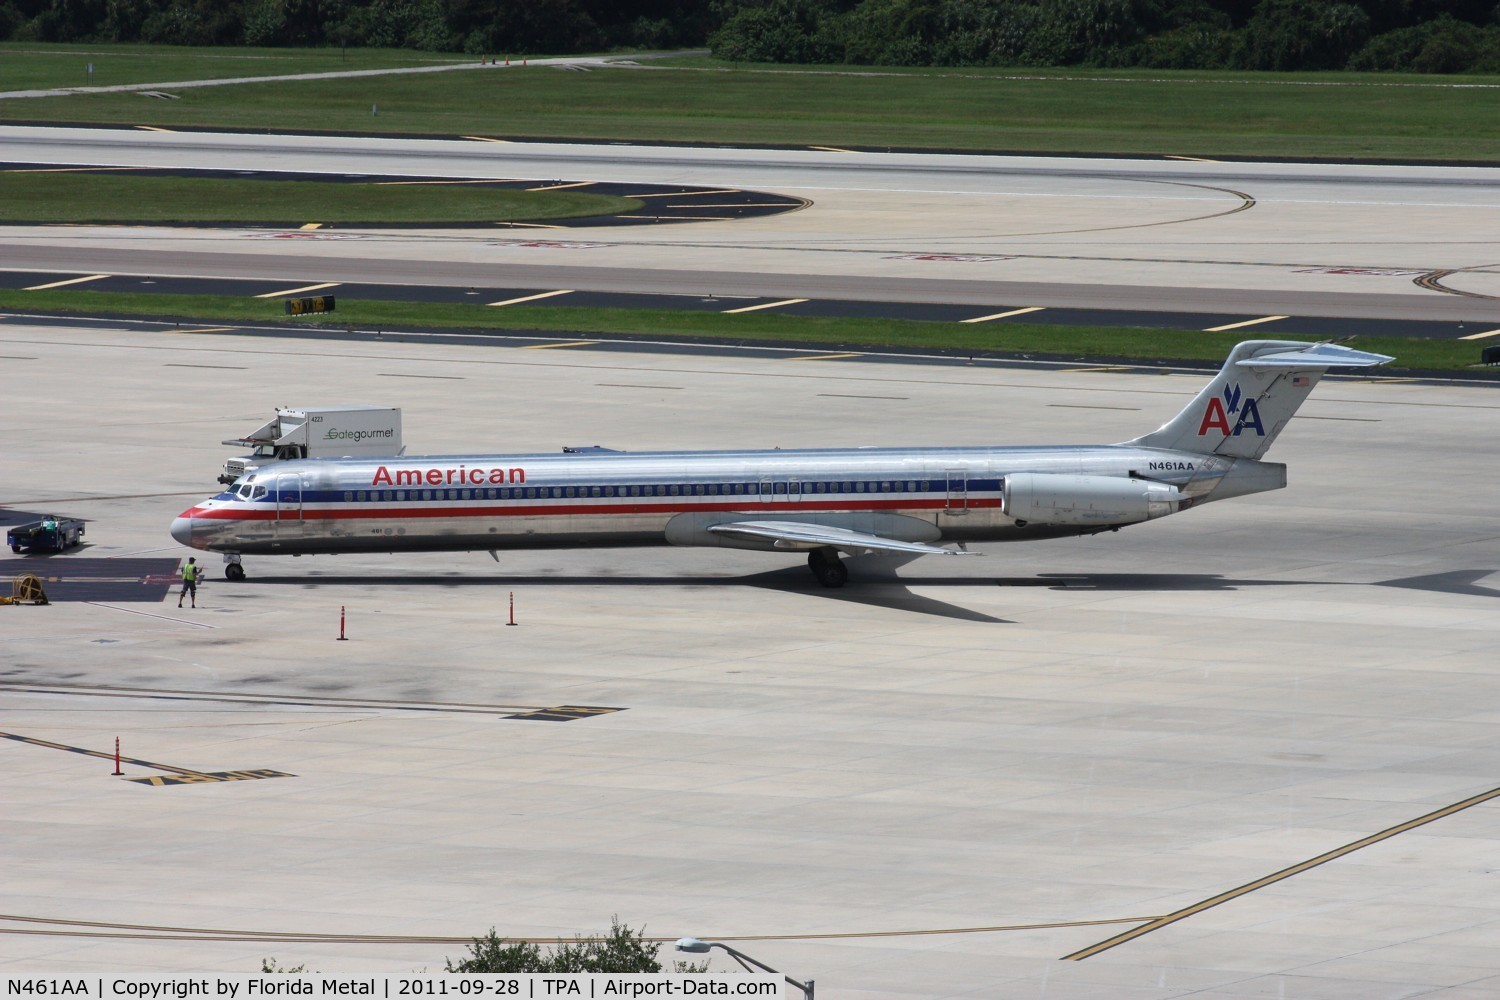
767 488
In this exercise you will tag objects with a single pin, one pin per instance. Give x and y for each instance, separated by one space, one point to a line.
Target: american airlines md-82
822 502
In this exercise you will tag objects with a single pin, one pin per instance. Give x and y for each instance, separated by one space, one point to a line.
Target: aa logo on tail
1217 414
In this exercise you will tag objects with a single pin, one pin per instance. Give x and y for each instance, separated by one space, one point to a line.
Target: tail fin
1247 404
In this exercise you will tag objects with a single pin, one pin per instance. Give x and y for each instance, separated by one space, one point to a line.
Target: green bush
1444 45
781 31
622 950
1303 34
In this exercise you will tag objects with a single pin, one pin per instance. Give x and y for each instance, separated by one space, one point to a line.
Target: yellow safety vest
190 573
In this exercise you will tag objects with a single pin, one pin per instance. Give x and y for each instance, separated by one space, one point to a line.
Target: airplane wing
797 535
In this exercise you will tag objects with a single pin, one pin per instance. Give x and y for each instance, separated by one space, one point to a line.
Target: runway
969 782
1342 241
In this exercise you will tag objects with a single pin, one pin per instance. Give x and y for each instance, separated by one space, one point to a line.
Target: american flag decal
1300 380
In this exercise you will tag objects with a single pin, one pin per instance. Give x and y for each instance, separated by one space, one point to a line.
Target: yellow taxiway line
294 291
763 305
1244 323
1013 312
69 281
1297 869
532 298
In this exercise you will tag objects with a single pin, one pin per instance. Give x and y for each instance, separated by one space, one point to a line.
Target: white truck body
318 432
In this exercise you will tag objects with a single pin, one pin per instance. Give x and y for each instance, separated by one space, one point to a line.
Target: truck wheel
15 548
234 571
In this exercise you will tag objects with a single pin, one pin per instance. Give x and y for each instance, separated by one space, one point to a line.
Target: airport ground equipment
39 536
362 431
25 589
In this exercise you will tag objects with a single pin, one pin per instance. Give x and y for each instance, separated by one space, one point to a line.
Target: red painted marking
1214 417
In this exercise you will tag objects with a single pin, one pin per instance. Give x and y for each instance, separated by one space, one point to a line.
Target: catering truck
318 432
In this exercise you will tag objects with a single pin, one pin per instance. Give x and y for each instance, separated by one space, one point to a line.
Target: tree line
1426 36
479 27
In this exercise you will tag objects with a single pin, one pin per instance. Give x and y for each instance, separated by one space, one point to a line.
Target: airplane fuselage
895 501
525 501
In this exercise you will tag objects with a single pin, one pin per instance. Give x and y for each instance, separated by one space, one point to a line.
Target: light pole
693 946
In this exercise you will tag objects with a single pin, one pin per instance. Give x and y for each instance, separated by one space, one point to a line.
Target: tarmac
958 784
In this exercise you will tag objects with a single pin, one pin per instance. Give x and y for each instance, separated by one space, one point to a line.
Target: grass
27 197
1338 116
45 65
832 333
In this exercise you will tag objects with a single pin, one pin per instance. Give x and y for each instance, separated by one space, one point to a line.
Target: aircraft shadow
888 591
1462 581
1145 582
880 593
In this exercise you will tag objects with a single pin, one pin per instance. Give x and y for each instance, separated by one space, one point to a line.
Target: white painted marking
1481 336
148 614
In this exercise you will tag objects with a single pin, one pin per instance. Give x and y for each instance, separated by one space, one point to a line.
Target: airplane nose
182 530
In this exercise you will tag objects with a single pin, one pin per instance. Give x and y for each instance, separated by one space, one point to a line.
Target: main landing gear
232 568
827 567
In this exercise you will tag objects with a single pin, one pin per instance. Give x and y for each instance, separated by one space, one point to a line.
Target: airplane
825 502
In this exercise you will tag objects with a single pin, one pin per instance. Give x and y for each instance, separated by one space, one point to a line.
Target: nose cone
182 529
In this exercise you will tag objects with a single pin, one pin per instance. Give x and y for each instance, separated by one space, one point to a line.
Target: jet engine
1050 499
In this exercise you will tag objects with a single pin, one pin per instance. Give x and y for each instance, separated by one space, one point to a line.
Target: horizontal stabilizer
797 535
1317 356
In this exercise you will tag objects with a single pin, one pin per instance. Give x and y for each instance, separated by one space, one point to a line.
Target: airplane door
288 506
770 493
958 492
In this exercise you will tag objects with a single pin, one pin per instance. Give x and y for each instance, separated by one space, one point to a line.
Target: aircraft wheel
234 571
827 567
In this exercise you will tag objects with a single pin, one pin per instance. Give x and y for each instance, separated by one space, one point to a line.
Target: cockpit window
260 491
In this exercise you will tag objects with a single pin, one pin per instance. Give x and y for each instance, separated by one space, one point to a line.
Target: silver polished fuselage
528 501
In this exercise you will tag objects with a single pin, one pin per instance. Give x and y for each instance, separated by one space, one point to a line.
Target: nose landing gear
232 568
826 566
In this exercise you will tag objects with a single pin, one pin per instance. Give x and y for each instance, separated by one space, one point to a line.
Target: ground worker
190 575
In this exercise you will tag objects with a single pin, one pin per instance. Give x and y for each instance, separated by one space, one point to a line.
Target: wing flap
797 535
